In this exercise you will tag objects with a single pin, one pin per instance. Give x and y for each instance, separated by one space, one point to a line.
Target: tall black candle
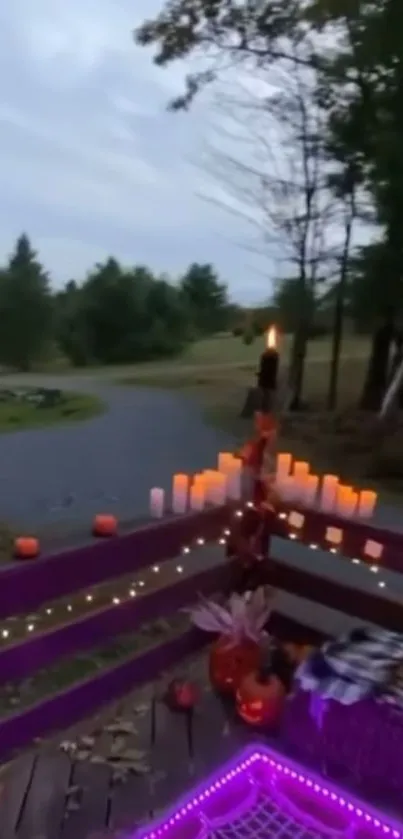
269 363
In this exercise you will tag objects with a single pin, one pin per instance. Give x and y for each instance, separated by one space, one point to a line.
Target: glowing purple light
260 765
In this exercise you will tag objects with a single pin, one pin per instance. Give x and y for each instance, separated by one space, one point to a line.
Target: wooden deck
118 769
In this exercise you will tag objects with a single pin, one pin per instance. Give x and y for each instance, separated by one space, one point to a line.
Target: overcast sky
91 162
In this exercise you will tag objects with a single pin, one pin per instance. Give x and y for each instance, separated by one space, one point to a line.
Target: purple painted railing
23 588
18 661
26 586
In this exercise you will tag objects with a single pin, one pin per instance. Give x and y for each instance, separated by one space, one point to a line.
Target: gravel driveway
108 463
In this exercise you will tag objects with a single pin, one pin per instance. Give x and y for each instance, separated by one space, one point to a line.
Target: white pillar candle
287 489
310 490
329 493
157 502
283 465
180 491
217 487
197 495
234 480
366 503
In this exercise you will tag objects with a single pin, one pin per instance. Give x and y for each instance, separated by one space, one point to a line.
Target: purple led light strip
249 764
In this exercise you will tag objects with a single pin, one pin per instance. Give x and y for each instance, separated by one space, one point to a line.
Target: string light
116 601
186 550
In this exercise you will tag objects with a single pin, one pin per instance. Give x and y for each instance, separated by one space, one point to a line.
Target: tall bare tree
273 168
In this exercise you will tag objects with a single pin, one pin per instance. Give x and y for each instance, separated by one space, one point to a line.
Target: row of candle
195 492
295 482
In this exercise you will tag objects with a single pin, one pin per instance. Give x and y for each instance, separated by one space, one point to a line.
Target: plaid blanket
366 662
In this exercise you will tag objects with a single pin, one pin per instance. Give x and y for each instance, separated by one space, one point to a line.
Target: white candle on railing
288 489
283 465
310 490
224 461
329 493
346 501
219 492
197 495
180 492
157 502
366 503
234 479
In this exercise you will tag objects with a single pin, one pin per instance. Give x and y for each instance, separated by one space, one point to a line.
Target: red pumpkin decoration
26 547
105 525
260 700
181 695
229 662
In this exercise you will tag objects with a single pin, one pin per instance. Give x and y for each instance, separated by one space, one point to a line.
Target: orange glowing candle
300 475
310 490
180 490
225 461
366 503
346 501
329 493
197 495
283 464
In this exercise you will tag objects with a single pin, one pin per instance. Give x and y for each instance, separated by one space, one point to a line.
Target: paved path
104 464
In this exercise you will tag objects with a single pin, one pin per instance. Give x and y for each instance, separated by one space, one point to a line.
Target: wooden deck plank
87 810
131 797
216 734
170 756
42 814
15 780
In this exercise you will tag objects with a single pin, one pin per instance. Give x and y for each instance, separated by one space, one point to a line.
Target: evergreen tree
25 308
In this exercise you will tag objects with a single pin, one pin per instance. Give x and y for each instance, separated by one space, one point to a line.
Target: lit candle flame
271 338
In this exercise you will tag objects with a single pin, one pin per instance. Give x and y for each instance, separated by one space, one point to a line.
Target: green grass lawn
218 372
73 407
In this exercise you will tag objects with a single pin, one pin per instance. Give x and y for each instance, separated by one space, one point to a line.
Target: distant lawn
222 371
218 371
19 415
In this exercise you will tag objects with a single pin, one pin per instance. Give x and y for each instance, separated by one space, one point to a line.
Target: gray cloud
91 162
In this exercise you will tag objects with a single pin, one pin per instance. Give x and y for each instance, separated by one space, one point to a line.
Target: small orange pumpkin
260 700
229 662
26 547
105 525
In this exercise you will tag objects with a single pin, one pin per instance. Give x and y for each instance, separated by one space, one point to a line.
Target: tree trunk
377 376
339 313
297 367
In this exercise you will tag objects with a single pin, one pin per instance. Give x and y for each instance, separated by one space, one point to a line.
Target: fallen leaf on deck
83 755
125 727
116 728
133 754
87 741
117 746
120 777
68 746
74 790
140 710
72 806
